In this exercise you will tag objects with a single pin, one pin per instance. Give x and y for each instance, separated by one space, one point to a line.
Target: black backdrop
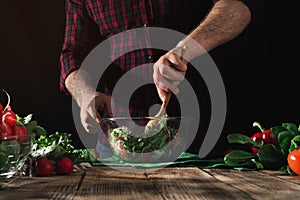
258 68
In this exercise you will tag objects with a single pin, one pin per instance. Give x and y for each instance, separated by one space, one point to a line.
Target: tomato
64 166
21 132
1 107
43 166
294 161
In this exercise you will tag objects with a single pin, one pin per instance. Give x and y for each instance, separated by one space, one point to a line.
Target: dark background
258 67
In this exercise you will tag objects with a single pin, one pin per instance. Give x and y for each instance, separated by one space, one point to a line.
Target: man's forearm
79 85
226 20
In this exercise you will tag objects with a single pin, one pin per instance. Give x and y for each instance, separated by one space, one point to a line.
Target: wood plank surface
282 175
107 183
163 184
52 187
258 185
192 183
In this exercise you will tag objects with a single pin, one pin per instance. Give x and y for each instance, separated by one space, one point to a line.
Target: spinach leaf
285 134
295 143
242 139
277 129
291 127
285 145
239 158
271 157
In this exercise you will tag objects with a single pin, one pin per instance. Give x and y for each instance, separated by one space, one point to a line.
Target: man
210 23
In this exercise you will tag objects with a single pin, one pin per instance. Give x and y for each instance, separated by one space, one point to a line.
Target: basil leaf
242 139
295 143
238 158
271 157
291 127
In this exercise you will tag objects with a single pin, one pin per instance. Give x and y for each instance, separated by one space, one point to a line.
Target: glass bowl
134 141
14 151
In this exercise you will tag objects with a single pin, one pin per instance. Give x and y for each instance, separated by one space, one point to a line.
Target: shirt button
149 57
145 25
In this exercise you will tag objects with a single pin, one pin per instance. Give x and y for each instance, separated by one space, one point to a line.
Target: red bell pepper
264 135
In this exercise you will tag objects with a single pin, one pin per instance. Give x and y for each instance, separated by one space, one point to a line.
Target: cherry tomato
64 166
21 132
43 166
294 161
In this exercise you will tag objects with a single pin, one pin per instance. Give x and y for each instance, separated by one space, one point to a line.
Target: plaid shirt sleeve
77 40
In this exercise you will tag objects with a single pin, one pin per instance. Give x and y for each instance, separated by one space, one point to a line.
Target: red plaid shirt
114 16
111 17
86 19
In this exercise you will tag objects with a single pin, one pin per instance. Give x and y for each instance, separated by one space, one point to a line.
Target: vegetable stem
257 124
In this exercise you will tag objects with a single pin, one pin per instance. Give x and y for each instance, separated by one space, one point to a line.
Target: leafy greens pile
126 145
55 145
269 156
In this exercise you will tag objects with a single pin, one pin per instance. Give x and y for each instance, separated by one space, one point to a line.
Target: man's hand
89 111
169 71
89 101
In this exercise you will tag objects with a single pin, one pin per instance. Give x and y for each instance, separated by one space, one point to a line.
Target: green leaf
238 158
283 169
258 164
291 127
277 129
285 134
31 125
271 157
285 145
3 160
38 130
290 171
242 139
295 143
56 153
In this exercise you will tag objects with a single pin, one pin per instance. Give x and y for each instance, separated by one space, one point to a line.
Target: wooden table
166 183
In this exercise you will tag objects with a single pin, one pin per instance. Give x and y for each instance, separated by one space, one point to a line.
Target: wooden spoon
162 111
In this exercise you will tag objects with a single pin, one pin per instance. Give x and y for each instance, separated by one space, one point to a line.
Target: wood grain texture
192 183
52 187
164 184
106 183
258 185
